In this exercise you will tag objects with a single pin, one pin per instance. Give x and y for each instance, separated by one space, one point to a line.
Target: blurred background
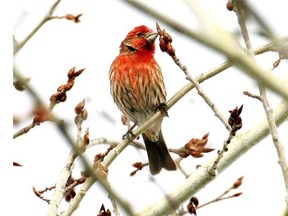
93 44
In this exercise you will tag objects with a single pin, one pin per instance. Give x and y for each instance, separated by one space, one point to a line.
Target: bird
138 89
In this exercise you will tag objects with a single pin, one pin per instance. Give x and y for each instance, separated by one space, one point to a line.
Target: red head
140 39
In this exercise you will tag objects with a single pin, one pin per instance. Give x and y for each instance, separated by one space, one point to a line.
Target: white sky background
93 44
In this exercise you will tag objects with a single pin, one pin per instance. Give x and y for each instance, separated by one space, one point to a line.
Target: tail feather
158 155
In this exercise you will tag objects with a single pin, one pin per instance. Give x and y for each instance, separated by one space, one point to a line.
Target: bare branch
241 9
41 23
239 145
166 42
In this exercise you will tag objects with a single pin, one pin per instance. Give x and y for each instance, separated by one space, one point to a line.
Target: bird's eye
140 34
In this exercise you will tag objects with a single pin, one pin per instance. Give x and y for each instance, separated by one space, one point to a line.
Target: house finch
138 89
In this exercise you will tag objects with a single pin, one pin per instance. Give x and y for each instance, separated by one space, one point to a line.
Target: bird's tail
158 155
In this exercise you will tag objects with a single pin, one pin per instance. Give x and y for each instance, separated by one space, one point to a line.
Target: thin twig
249 94
114 202
60 124
200 91
266 28
274 133
235 121
180 168
222 196
241 12
41 23
56 98
241 6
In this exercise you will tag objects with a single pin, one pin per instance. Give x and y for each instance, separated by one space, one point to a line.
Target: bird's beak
151 37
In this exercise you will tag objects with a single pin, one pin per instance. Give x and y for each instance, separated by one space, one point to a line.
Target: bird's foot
163 108
130 133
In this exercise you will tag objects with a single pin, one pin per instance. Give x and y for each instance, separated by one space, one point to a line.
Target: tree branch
241 10
41 23
181 93
239 145
222 41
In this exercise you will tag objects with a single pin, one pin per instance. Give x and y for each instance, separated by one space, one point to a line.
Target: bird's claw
163 108
130 133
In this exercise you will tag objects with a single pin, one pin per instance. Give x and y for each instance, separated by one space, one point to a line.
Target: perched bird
138 89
